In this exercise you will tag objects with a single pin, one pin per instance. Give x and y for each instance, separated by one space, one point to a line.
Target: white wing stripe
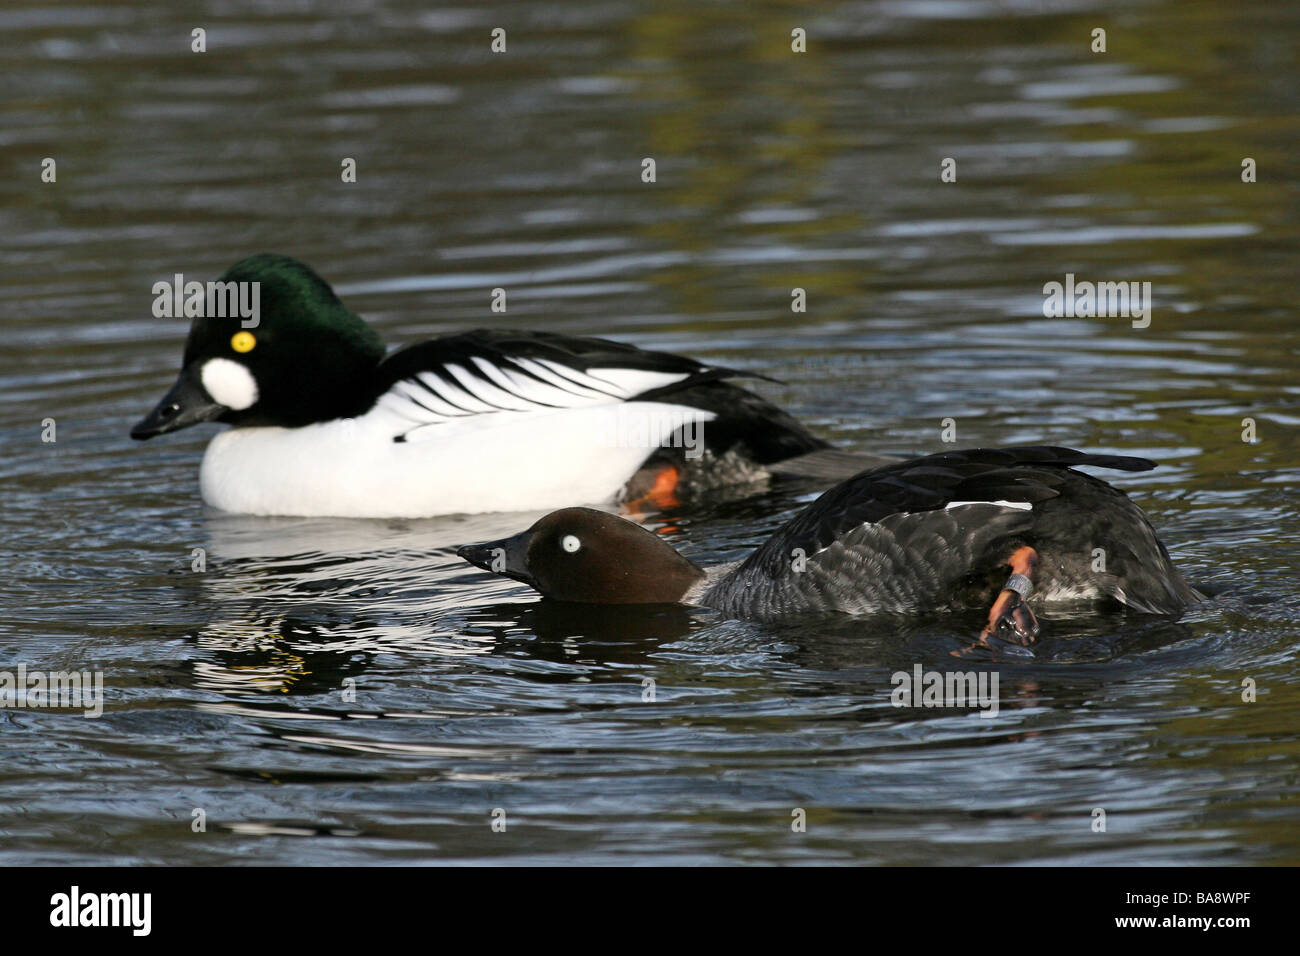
576 377
456 393
457 397
426 400
1018 505
404 408
548 394
559 381
518 385
487 391
634 381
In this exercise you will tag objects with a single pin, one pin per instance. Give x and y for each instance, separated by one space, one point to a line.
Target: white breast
506 461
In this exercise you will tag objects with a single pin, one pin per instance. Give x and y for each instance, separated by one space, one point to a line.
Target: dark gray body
890 540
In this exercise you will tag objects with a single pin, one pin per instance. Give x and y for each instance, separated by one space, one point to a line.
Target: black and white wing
459 378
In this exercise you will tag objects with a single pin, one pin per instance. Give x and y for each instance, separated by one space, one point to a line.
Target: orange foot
1010 616
662 493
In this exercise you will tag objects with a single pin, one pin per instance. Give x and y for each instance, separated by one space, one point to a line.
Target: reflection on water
353 680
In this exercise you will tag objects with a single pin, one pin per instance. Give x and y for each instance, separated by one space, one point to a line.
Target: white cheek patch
229 383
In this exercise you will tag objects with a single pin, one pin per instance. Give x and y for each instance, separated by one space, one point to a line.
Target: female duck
976 528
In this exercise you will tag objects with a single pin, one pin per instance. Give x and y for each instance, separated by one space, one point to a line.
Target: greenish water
774 171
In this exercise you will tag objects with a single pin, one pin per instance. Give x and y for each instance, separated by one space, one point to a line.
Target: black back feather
502 347
1030 473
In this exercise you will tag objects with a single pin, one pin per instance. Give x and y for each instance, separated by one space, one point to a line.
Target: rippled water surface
775 170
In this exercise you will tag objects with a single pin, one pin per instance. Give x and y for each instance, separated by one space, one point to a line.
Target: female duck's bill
980 527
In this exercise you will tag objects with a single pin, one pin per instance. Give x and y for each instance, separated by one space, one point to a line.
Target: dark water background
775 170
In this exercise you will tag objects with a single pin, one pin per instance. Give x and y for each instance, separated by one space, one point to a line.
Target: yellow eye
243 341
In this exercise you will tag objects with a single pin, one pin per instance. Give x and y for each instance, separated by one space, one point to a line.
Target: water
774 171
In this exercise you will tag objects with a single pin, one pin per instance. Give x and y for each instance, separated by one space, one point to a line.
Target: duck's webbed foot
653 488
1010 617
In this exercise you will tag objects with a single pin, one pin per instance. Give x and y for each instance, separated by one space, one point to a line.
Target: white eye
570 543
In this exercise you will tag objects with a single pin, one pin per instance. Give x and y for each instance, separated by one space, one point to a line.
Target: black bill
186 403
508 556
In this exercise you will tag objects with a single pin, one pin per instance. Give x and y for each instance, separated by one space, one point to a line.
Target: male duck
976 528
326 424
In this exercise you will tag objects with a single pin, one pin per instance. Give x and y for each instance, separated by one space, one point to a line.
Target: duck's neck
698 591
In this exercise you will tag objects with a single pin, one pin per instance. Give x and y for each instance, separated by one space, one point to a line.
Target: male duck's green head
302 358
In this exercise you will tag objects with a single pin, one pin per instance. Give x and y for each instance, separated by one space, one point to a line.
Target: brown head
589 557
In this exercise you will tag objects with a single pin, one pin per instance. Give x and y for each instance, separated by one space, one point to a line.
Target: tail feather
830 463
1069 457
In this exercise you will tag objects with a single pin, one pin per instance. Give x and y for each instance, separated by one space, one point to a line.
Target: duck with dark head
324 423
984 527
